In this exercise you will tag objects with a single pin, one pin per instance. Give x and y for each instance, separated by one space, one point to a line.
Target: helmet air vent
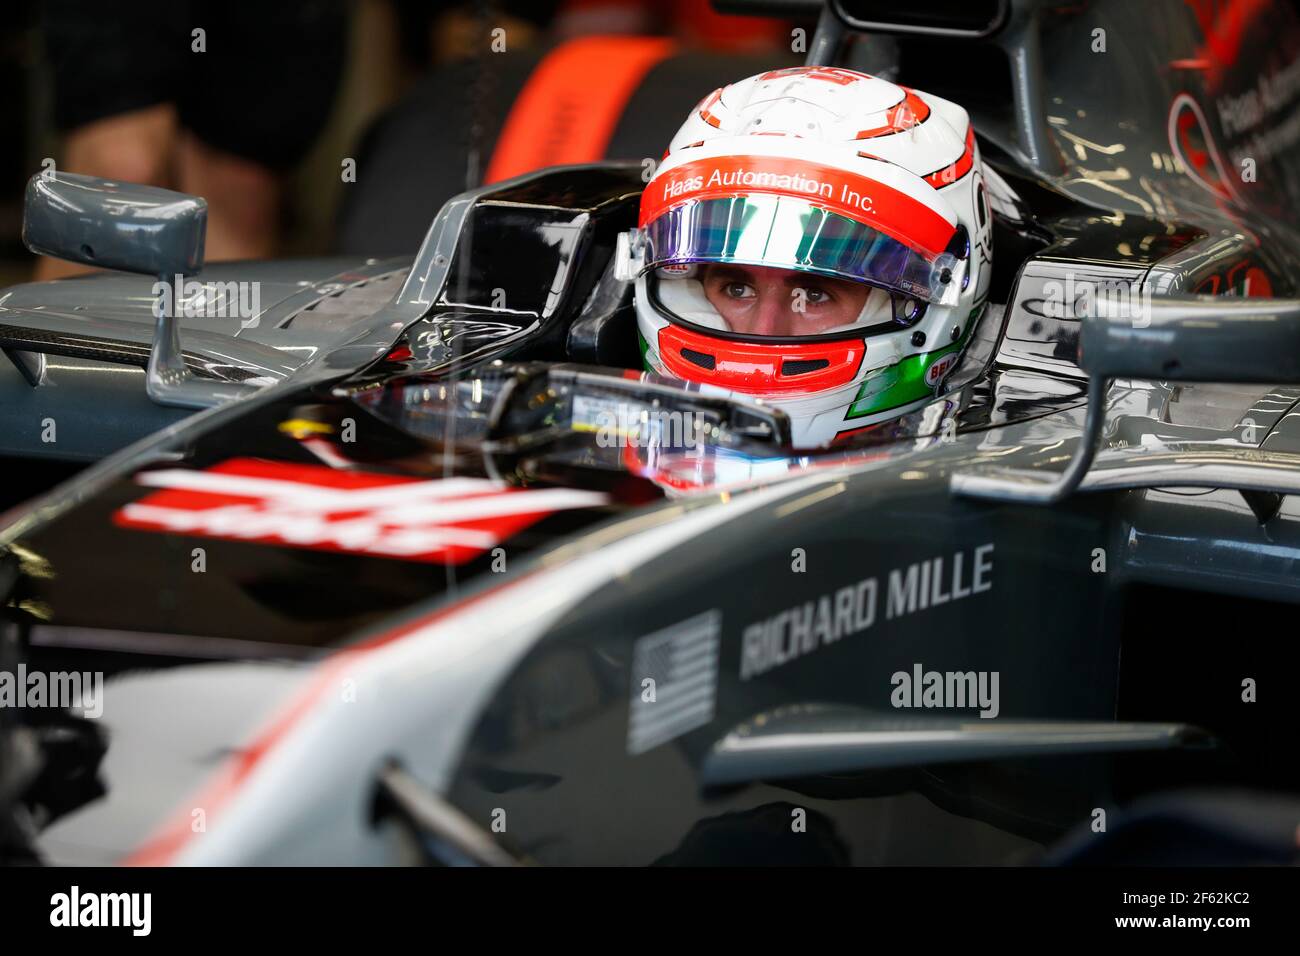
702 359
803 366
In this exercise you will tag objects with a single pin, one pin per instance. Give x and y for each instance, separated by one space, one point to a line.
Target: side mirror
1174 338
133 228
1194 339
113 225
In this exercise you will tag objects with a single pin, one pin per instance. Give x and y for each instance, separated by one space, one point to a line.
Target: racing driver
817 238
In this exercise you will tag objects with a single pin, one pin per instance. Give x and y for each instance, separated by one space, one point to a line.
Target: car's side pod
1180 339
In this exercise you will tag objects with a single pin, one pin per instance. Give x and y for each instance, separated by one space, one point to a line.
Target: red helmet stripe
852 195
910 111
838 75
706 114
958 168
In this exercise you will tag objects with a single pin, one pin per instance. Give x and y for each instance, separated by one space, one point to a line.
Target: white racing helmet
862 200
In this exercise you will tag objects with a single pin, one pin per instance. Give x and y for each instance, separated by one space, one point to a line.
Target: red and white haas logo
447 521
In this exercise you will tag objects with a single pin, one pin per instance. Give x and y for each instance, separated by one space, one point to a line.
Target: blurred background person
262 109
210 98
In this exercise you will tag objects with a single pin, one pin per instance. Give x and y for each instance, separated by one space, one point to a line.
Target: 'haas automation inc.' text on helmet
817 238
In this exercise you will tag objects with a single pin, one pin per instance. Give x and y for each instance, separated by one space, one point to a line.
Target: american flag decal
682 660
446 521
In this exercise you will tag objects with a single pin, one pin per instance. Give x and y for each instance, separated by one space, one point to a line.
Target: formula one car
438 574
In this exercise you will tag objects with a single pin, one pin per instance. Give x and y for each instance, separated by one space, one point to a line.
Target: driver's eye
737 290
812 295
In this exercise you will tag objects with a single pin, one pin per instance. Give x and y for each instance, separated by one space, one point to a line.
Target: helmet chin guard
760 368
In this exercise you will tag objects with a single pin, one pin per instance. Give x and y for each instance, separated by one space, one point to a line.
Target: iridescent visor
783 232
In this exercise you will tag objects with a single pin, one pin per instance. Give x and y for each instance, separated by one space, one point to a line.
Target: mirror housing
114 225
1204 338
131 228
1171 338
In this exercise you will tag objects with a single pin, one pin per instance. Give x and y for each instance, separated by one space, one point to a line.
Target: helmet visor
784 232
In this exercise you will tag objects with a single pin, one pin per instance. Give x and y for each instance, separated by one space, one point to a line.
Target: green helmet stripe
904 382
